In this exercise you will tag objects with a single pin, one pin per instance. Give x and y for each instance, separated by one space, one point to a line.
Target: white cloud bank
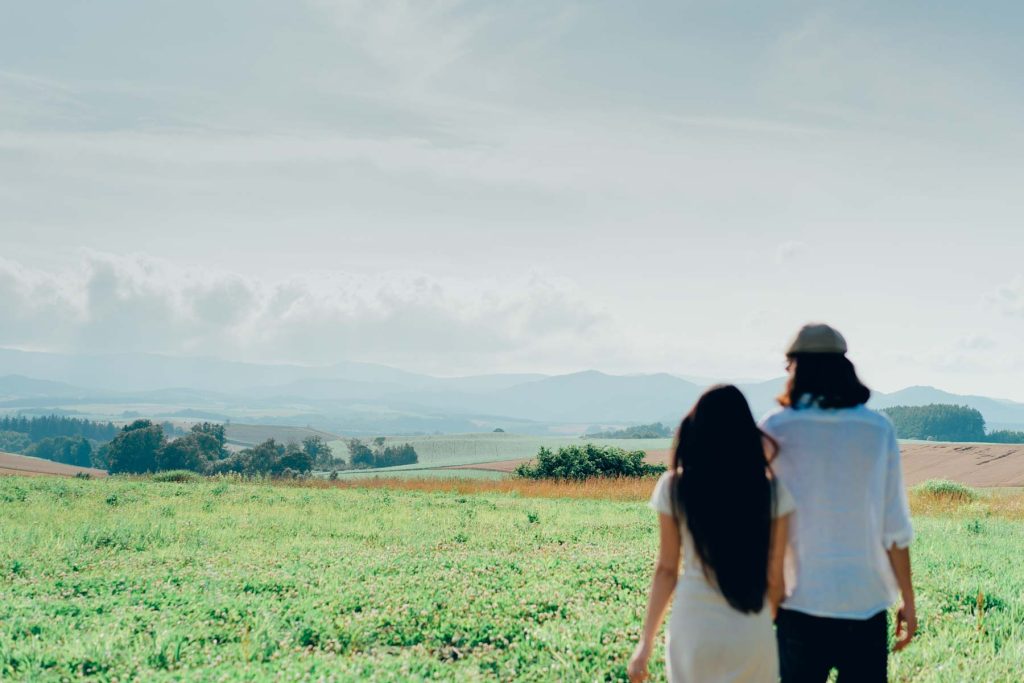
138 303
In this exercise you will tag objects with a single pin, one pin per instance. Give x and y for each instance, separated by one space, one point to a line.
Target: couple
802 521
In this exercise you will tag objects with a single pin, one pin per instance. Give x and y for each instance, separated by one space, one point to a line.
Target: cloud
114 303
413 40
1010 297
791 251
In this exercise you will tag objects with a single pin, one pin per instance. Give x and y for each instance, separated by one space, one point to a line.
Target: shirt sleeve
784 503
661 499
897 529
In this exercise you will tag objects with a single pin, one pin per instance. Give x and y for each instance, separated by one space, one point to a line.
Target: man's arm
906 619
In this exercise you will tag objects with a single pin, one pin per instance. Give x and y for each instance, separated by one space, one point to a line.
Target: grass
407 580
467 449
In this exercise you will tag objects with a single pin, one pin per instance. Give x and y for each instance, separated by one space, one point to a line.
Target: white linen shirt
842 467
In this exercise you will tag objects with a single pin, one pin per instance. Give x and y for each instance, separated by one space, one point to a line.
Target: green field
467 449
137 580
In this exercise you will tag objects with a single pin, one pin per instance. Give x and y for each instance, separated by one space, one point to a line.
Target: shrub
177 477
587 461
942 489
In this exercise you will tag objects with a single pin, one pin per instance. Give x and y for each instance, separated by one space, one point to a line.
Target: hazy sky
459 187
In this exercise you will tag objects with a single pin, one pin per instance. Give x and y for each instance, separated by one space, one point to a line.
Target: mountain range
364 398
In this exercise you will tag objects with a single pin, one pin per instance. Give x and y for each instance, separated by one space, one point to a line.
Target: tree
135 449
64 449
211 440
181 454
83 453
14 442
295 459
318 449
359 455
263 458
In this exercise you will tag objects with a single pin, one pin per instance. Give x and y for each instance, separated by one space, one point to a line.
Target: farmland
461 450
409 579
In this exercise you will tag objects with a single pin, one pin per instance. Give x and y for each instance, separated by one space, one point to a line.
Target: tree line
39 428
655 430
942 422
146 446
361 456
142 447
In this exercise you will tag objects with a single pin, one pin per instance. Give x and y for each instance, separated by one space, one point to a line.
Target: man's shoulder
876 417
774 418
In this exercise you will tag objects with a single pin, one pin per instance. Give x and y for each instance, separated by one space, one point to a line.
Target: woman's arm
666 574
776 562
906 619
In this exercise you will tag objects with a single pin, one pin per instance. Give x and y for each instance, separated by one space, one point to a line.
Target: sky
463 187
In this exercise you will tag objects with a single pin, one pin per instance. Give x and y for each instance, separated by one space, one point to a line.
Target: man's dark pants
810 647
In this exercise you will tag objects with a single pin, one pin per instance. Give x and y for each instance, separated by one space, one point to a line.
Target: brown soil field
979 465
22 465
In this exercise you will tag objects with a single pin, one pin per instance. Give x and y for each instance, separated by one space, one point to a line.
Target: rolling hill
365 398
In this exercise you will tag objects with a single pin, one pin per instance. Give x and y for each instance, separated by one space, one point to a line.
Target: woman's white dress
708 641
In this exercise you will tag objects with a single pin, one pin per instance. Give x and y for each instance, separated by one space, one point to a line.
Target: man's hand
637 668
906 625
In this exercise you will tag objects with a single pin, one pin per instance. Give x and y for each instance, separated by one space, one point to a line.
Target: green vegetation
1004 436
232 581
467 449
381 455
141 447
940 422
942 489
655 430
39 428
587 461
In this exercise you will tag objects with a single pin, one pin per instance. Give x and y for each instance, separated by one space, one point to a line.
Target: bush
177 477
584 462
945 490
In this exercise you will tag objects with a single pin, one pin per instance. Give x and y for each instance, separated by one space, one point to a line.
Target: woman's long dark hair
723 492
827 380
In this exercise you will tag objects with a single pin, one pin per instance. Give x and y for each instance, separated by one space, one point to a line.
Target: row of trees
655 430
941 422
361 456
48 426
142 446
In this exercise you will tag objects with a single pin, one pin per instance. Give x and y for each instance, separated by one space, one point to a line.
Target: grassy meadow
122 579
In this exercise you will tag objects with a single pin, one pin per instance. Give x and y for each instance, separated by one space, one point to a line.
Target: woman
719 502
850 542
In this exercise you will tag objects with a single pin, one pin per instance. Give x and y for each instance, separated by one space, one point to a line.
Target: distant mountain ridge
357 397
